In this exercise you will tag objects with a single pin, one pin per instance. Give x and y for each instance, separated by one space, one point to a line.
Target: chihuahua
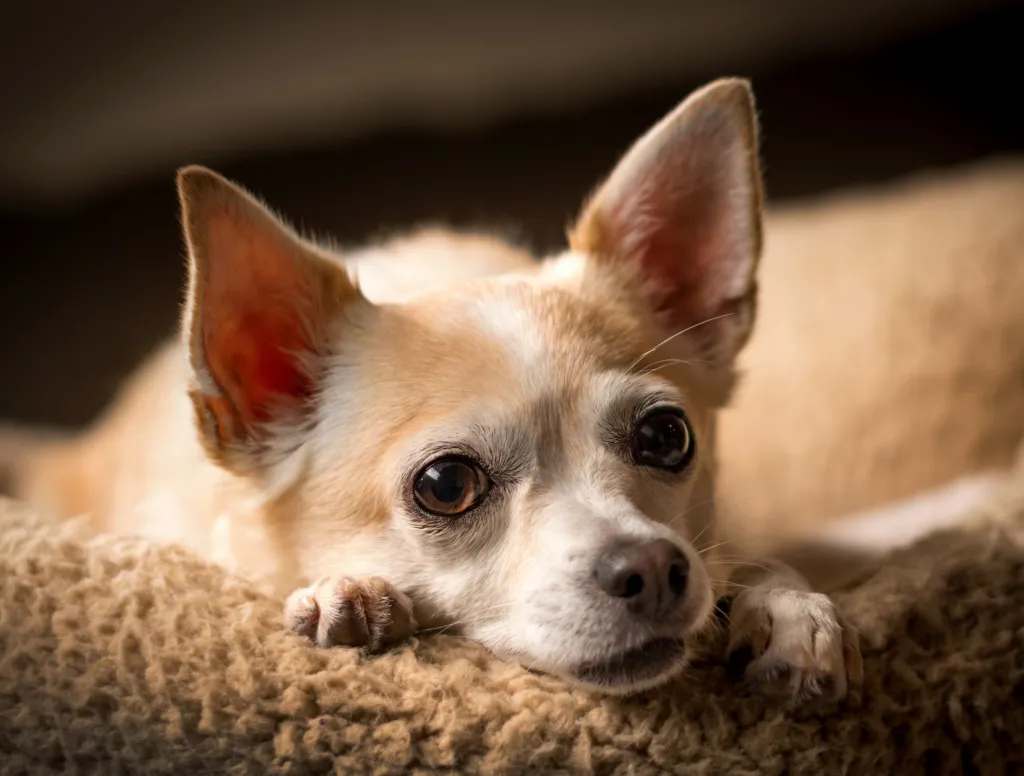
443 431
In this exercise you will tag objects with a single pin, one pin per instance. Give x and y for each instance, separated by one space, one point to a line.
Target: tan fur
885 364
491 344
857 416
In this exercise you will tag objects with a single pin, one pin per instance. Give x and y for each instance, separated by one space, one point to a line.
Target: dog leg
792 640
787 639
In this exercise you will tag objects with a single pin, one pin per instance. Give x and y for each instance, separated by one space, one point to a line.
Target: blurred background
358 119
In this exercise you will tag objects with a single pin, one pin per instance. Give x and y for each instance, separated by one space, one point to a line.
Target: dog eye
450 486
662 439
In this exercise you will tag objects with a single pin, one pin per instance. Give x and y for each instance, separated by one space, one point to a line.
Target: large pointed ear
262 307
682 213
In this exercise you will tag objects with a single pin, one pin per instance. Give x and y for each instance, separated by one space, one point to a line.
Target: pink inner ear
679 244
254 360
258 304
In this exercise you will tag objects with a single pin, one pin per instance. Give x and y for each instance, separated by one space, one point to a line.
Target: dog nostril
650 576
634 586
677 577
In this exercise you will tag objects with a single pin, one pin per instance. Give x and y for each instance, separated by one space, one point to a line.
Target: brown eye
662 439
450 486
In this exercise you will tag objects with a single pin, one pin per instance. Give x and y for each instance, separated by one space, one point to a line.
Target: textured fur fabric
118 656
121 656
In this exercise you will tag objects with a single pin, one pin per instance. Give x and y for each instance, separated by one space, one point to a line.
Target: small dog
441 430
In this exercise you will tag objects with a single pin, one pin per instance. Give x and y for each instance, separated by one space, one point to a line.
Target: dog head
529 454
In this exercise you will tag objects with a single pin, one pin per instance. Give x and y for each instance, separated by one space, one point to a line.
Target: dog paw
342 611
793 644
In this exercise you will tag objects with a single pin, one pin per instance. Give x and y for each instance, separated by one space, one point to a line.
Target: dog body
442 431
886 360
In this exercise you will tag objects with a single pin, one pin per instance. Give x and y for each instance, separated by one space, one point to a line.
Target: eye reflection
662 440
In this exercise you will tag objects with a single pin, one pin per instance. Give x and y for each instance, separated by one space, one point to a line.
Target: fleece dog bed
119 656
122 656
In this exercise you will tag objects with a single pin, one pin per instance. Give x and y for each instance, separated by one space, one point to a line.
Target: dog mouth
634 669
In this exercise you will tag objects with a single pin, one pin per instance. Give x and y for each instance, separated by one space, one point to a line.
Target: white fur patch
566 266
516 328
897 525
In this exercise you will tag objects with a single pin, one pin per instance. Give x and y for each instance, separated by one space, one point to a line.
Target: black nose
650 576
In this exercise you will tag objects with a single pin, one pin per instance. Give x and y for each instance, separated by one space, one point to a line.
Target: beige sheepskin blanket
120 656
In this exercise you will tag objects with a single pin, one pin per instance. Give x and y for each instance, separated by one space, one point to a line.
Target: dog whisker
663 364
657 366
737 563
673 336
671 523
476 615
710 547
702 530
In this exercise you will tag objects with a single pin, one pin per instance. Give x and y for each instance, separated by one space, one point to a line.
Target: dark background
93 275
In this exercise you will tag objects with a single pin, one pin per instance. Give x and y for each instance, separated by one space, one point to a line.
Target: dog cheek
456 592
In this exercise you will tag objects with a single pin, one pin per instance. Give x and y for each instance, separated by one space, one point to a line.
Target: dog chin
628 672
633 670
